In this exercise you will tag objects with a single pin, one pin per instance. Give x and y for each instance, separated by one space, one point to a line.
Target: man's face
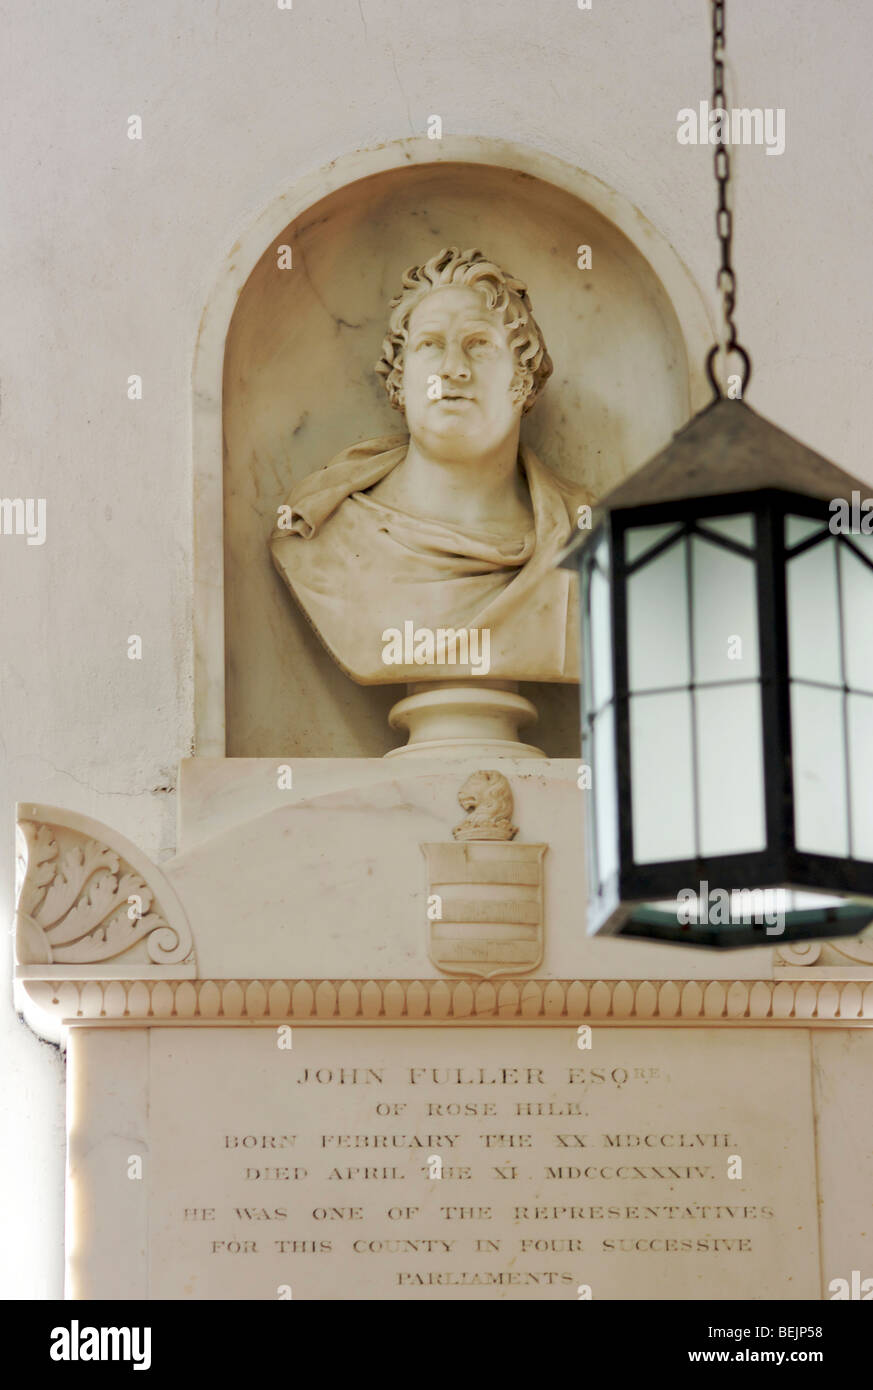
456 341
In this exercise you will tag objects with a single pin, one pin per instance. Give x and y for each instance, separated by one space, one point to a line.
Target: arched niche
284 380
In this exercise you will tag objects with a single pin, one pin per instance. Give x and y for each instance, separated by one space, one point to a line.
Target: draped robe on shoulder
359 568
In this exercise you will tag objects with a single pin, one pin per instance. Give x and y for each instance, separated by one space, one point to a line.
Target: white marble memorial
350 1040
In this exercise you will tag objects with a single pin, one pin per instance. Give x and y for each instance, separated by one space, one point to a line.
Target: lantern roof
726 448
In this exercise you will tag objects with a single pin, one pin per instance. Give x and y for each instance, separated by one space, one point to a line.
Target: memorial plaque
480 1163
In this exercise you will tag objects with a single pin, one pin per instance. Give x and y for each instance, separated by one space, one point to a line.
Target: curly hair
502 292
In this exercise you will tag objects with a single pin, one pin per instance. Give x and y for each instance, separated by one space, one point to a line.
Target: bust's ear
520 387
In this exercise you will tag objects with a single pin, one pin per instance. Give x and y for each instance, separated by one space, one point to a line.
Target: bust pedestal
462 719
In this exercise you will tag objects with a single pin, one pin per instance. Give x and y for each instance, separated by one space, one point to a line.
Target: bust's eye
428 340
479 341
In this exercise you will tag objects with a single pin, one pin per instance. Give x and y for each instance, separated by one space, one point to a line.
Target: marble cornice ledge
95 1001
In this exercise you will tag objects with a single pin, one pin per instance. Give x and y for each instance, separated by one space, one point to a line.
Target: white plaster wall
109 249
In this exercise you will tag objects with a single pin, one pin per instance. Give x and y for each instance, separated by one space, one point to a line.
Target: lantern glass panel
724 604
730 769
639 540
819 760
813 615
599 723
601 637
800 528
662 796
863 543
736 528
603 785
657 620
859 713
857 594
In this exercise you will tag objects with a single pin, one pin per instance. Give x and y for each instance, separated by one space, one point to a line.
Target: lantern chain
726 280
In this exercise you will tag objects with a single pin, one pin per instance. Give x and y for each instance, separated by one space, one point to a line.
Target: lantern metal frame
624 905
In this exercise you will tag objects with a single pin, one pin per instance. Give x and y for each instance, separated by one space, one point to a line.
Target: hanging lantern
727 689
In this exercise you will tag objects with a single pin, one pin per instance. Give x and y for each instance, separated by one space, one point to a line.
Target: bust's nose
455 366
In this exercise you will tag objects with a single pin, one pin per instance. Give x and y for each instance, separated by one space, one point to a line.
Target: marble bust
430 555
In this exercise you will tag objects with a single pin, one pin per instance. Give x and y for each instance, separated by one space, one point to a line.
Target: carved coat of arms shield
485 894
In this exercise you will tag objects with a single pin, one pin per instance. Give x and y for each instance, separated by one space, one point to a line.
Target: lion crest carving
487 799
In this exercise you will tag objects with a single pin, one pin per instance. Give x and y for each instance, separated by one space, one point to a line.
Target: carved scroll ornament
87 895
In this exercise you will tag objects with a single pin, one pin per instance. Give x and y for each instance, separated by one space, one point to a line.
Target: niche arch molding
532 173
